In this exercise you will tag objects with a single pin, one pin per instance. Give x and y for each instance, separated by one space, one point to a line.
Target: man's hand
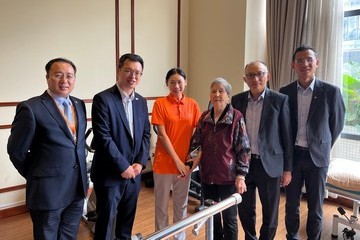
137 168
285 179
129 173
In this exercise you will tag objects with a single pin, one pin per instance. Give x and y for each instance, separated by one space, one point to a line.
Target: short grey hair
223 82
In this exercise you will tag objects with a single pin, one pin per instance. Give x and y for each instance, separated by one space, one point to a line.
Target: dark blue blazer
325 120
115 149
42 149
274 133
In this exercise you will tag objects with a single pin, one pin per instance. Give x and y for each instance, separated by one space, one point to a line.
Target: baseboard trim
13 211
341 201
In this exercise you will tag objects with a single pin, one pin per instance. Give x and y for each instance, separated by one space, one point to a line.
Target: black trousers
225 223
116 203
304 171
60 223
269 194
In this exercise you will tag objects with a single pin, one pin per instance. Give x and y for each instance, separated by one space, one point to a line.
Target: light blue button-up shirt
304 97
253 117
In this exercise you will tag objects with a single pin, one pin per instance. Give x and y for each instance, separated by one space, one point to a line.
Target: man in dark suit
122 139
47 147
317 115
267 120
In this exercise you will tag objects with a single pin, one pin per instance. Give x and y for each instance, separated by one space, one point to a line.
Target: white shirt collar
58 99
311 86
124 96
262 96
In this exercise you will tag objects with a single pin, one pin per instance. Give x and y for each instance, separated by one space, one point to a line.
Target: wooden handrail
8 104
86 100
12 188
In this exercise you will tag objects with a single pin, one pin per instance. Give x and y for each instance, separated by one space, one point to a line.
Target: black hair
52 61
131 57
174 71
303 48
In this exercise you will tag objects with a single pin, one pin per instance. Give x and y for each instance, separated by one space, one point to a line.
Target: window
351 68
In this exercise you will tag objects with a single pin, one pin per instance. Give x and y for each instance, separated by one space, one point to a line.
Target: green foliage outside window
351 94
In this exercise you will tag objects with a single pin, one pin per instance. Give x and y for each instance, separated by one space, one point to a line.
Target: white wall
155 41
223 37
217 44
33 32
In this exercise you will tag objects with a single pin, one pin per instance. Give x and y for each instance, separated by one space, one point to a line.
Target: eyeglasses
129 72
253 75
304 60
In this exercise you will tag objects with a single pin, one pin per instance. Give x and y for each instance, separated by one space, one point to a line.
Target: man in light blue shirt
317 115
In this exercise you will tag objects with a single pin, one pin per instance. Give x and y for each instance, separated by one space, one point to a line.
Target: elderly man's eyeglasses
129 72
304 60
253 75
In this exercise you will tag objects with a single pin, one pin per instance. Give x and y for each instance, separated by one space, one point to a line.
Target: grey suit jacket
274 132
325 120
42 149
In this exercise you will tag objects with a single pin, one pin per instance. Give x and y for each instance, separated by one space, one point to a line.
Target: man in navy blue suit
267 117
317 115
121 138
47 147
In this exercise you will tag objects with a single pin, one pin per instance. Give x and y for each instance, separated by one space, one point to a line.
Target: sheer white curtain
284 27
291 23
324 31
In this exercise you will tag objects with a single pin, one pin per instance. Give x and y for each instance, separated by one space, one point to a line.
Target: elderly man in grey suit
317 114
267 116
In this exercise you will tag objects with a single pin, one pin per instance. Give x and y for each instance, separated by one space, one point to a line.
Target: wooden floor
20 227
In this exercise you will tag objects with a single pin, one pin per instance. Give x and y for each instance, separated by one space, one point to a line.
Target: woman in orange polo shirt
175 117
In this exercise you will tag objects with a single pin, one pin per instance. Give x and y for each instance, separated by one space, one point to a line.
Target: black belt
300 148
255 156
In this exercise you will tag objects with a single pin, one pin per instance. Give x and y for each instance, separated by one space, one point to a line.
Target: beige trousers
163 184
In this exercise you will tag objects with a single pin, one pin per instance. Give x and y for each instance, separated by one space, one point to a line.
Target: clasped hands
132 171
185 169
